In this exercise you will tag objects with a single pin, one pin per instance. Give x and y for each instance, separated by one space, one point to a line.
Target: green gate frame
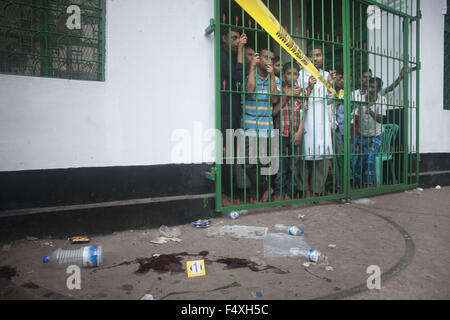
408 154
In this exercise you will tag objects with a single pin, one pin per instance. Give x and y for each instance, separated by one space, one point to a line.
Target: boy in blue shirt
257 120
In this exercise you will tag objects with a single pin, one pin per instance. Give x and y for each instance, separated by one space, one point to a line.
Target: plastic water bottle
308 253
292 230
87 257
236 214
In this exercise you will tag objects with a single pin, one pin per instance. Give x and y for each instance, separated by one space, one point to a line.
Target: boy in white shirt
318 144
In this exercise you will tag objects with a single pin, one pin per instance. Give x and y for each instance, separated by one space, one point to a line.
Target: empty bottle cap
45 259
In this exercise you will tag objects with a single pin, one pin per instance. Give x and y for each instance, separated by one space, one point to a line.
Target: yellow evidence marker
195 268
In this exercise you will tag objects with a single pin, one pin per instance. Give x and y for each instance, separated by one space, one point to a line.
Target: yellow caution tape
265 18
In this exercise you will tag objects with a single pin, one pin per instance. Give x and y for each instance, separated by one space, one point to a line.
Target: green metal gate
379 151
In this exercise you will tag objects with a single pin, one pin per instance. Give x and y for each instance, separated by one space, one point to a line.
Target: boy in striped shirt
257 120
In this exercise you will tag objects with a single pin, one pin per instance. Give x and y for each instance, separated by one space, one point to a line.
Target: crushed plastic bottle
307 253
233 215
292 230
87 257
277 245
202 223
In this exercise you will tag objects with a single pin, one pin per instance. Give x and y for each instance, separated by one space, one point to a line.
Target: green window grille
447 59
36 41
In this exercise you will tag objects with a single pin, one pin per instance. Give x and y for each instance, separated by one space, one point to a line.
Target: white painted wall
434 120
159 78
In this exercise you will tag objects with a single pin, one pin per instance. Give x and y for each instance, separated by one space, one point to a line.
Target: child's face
373 89
249 53
263 59
339 81
276 68
290 77
317 58
365 79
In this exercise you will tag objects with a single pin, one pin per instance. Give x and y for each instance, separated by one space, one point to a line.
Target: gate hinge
211 175
212 26
417 17
417 67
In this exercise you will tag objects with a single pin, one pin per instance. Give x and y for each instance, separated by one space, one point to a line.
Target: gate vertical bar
102 42
347 94
406 147
218 107
44 43
418 14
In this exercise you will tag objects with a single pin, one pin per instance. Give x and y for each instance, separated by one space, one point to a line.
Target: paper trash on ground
363 201
247 232
278 245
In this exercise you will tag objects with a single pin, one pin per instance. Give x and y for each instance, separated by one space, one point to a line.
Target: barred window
53 38
447 59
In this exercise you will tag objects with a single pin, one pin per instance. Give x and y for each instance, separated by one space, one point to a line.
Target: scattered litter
438 187
417 191
292 230
29 238
332 246
201 223
307 264
278 245
50 244
301 216
162 240
8 272
257 294
231 285
169 232
147 297
363 201
233 215
246 232
6 247
91 256
329 268
75 240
